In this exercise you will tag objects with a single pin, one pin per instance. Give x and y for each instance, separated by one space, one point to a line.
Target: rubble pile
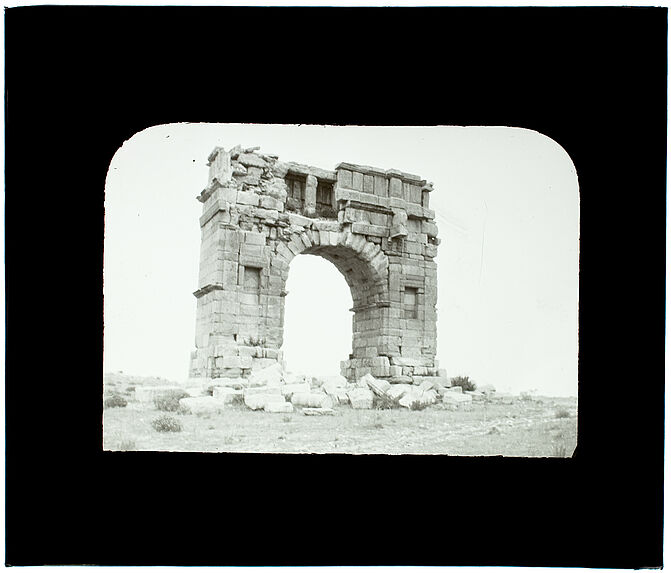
273 390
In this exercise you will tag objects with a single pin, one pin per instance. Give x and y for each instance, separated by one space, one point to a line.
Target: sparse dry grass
521 429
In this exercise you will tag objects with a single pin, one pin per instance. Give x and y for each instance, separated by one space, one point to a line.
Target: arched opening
317 321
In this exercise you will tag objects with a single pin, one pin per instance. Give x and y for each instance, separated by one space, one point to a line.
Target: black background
82 80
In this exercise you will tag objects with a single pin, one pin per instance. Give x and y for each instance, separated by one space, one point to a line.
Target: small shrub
166 424
562 413
169 402
116 401
130 389
559 450
418 405
466 384
127 445
287 418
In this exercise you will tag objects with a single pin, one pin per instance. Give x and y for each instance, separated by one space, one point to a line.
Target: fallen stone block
426 385
361 398
402 379
456 398
289 390
318 411
277 390
413 395
362 382
475 395
457 389
339 396
379 387
311 400
429 397
399 390
146 394
290 378
202 405
227 395
278 407
437 382
235 383
332 383
270 376
259 401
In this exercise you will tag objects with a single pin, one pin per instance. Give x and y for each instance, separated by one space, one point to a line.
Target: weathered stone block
259 401
272 203
299 220
235 383
455 398
278 407
318 411
361 398
399 390
288 390
270 376
248 198
311 400
395 188
227 395
251 160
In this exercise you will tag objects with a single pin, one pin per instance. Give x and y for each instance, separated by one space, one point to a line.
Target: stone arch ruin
374 225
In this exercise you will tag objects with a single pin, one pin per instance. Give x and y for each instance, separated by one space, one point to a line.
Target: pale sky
507 208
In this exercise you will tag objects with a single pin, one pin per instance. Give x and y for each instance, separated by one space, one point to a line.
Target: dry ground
525 428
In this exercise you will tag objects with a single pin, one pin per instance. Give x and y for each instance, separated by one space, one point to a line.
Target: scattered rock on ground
456 400
289 389
259 401
312 400
318 411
